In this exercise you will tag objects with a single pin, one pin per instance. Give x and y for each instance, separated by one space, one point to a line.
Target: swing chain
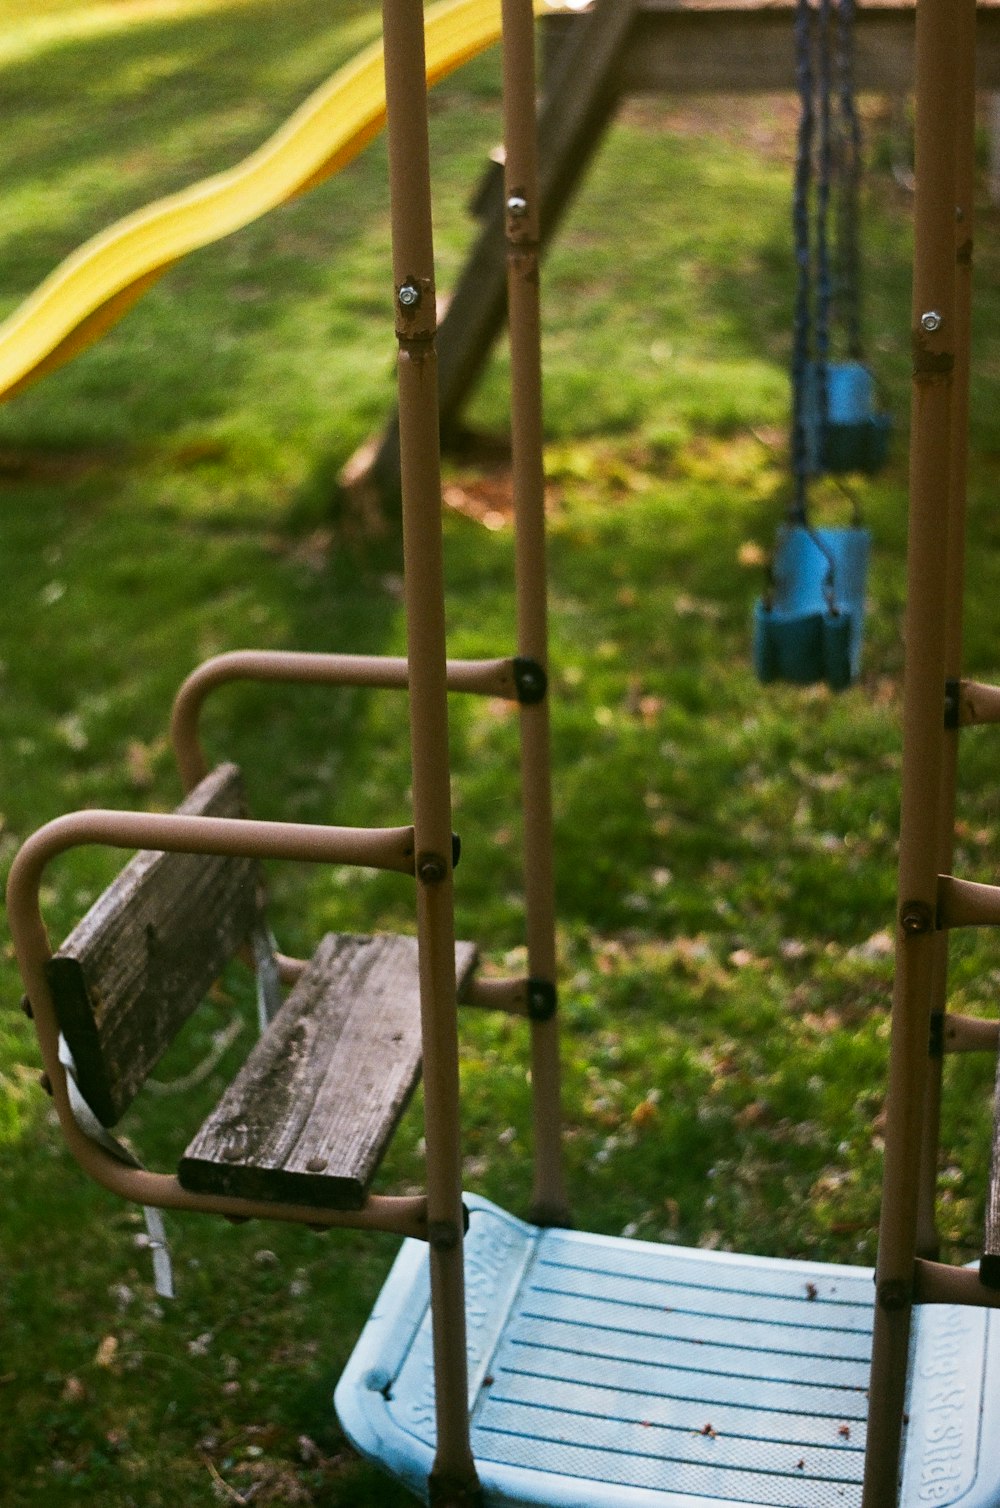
802 352
848 255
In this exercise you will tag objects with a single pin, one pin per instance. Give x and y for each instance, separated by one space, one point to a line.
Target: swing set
808 627
513 1363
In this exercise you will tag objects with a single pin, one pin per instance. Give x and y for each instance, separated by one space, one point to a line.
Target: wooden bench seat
310 1114
313 1108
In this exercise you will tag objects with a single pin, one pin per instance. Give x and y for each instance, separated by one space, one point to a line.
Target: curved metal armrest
485 677
967 903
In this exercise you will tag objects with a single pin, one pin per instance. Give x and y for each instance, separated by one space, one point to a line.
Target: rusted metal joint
893 1294
520 227
530 681
443 1235
916 918
952 703
928 363
935 1045
541 999
431 868
416 310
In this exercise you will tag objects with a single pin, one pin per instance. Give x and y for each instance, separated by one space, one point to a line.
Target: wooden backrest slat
132 971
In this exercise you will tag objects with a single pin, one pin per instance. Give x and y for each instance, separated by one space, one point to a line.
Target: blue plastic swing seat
855 436
797 637
609 1373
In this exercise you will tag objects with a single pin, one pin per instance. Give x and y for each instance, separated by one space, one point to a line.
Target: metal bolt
517 207
431 868
409 295
316 1165
443 1235
930 321
893 1294
915 918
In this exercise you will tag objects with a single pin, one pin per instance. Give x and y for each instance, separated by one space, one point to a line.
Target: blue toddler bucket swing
808 625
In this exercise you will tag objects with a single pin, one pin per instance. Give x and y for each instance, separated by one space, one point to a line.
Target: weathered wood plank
310 1114
726 48
142 958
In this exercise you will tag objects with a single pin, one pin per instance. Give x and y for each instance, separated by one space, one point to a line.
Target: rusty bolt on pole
431 868
409 295
915 918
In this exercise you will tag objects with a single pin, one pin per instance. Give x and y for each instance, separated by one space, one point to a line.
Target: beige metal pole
965 128
453 1479
934 337
549 1206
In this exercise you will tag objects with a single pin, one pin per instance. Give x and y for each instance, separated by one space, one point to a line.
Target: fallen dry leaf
106 1351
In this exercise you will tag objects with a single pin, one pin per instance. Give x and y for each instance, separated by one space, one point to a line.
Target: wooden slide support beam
745 47
582 95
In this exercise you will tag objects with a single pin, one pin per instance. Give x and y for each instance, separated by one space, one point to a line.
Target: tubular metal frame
965 124
522 209
453 1477
928 901
482 677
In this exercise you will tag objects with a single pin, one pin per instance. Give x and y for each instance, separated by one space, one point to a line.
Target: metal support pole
522 211
453 1475
934 336
965 127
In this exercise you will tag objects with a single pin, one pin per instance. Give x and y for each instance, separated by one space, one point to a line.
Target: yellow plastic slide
104 277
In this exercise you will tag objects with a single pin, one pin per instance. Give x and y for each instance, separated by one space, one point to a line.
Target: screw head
517 206
409 295
431 868
930 321
916 917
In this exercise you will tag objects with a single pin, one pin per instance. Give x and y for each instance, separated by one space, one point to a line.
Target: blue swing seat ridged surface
610 1373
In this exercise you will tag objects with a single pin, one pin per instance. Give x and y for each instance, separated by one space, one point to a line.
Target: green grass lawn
726 854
